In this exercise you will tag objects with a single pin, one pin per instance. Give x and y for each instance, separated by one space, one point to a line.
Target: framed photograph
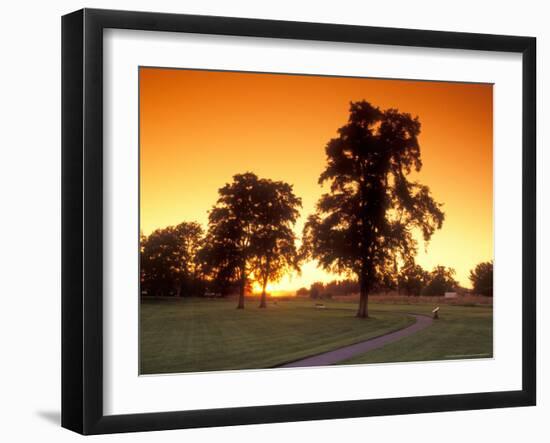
269 221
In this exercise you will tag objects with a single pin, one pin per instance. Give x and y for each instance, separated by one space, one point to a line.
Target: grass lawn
192 335
461 332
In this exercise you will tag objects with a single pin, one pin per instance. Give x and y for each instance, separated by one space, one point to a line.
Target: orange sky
199 128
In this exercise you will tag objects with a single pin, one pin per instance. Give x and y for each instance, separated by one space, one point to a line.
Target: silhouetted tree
412 278
366 221
274 239
440 280
168 259
250 231
482 278
316 290
219 261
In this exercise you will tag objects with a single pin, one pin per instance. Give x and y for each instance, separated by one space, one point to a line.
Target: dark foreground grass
193 335
461 332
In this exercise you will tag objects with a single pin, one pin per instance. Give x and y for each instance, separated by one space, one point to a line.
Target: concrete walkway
341 354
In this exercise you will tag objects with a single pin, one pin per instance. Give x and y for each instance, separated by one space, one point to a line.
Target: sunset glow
199 128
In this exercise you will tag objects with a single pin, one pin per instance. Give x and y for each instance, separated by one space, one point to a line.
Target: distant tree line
411 280
335 287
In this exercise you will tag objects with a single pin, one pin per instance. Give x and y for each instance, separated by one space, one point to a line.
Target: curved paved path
340 354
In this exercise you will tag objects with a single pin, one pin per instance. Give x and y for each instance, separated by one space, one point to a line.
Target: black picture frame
82 218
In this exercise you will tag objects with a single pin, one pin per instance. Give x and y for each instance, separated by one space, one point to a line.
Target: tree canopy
365 223
250 231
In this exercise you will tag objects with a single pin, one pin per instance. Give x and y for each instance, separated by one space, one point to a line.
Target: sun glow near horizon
199 128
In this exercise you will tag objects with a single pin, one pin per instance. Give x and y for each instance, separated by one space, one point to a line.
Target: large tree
482 278
250 231
168 259
365 224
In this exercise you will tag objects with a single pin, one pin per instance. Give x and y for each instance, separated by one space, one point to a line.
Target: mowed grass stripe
195 335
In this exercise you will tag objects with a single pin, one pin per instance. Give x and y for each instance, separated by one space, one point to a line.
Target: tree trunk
242 288
263 303
363 311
